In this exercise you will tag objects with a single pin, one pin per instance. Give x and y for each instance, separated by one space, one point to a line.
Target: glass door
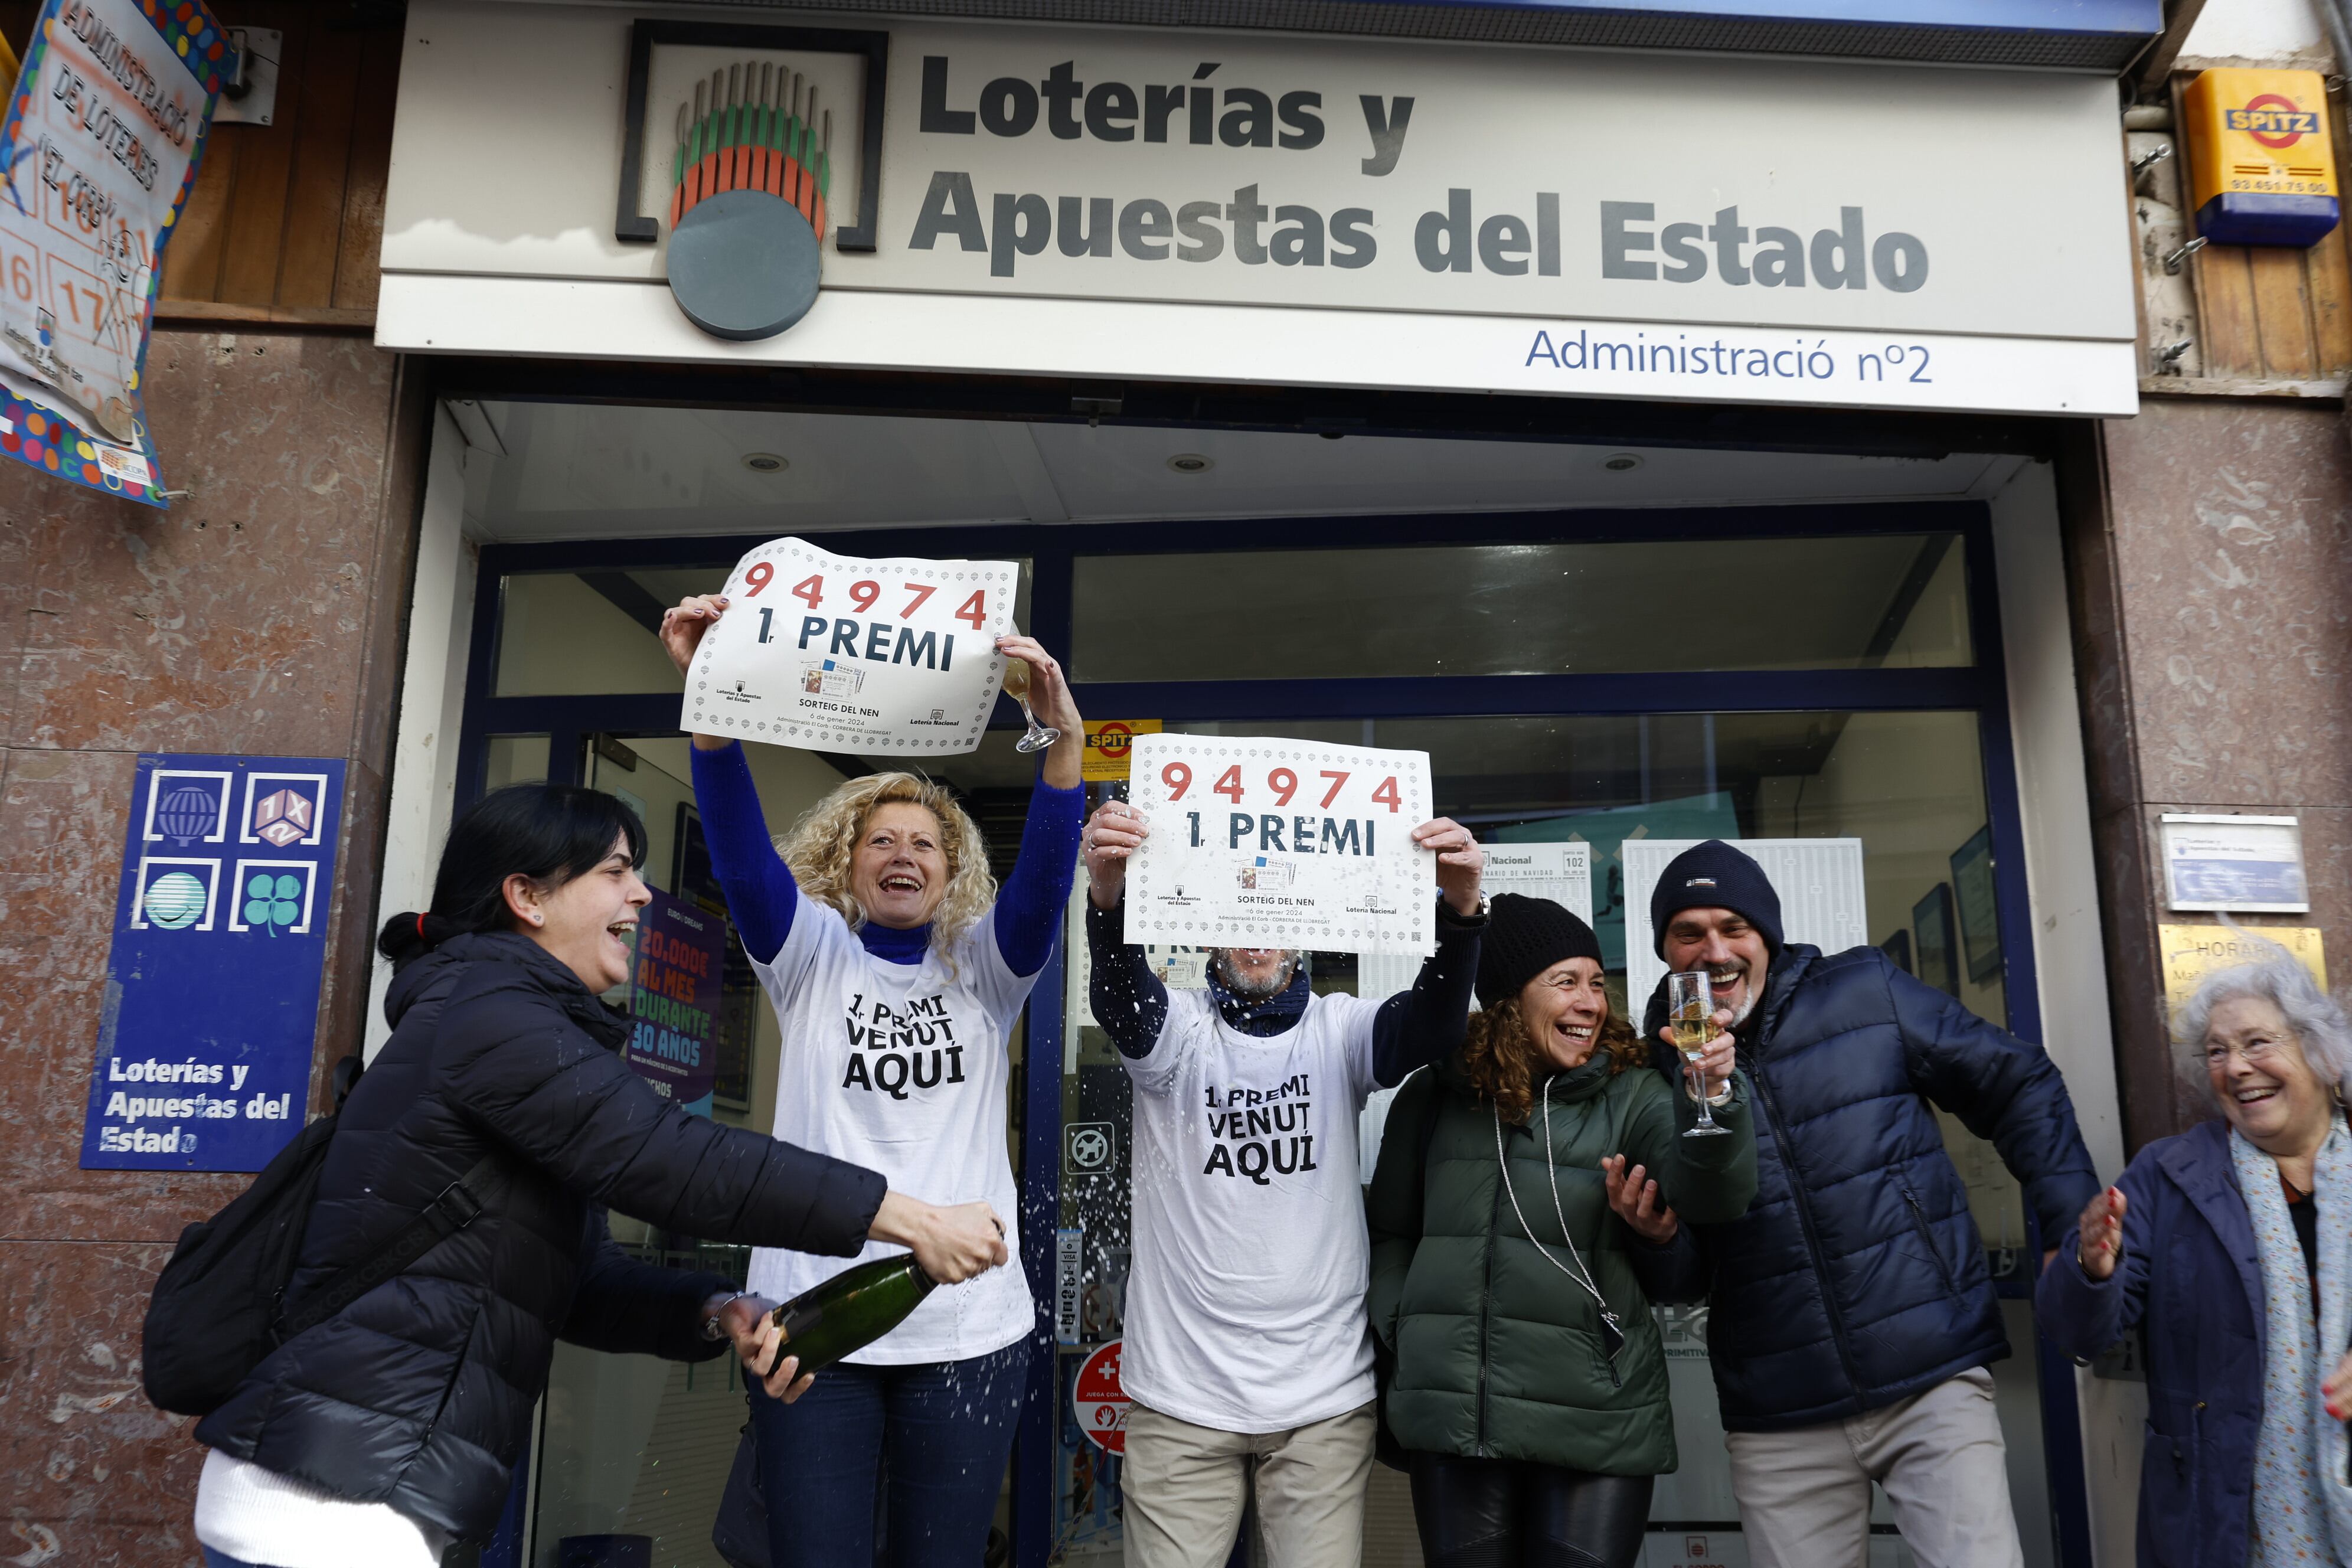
1841 688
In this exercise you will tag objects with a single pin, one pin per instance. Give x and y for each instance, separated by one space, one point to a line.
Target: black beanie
1524 937
1714 876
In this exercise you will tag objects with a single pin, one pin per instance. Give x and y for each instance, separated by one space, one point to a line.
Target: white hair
2272 975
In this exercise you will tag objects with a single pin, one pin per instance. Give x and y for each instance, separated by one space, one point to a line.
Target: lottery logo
174 900
750 172
282 817
188 813
2273 120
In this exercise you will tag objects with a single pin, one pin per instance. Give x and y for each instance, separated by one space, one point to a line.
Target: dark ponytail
549 833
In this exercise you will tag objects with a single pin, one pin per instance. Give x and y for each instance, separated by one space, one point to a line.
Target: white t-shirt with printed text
902 1068
1245 1305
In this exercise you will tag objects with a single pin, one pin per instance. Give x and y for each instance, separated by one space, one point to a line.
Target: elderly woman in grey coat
2231 1246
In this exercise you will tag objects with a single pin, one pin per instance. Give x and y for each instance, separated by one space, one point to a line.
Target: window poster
834 653
99 150
675 1000
212 979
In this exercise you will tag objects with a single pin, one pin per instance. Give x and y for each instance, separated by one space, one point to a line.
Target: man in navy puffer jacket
1852 1315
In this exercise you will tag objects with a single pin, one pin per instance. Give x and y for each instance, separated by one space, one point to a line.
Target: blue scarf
1268 1014
2302 1507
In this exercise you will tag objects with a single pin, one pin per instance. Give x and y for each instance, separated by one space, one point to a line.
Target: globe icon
188 812
175 899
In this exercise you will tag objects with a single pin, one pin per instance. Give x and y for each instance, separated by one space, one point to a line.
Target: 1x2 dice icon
284 817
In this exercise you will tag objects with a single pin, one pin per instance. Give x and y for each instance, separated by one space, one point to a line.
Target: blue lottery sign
220 947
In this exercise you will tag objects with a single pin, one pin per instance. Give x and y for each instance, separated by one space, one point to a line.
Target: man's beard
1749 991
1220 964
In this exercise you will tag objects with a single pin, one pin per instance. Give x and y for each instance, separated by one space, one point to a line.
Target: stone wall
2212 593
261 614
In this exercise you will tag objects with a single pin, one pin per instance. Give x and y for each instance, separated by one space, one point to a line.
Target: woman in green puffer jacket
1510 1288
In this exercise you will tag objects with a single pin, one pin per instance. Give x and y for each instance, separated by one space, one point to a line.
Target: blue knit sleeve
1029 907
760 893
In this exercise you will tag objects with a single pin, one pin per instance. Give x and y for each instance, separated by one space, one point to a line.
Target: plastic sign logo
282 818
729 160
2272 121
2261 167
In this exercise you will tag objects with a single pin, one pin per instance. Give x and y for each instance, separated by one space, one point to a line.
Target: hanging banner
98 153
212 983
1263 842
674 1000
836 653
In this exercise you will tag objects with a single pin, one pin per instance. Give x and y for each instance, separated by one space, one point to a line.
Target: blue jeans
930 1442
223 1559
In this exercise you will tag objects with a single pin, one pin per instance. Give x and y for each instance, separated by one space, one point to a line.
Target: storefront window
637 1450
568 633
1864 602
1908 786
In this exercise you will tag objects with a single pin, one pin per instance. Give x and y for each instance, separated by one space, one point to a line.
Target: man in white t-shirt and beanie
1247 1349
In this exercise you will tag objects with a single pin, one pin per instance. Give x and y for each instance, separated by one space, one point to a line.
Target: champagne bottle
850 1310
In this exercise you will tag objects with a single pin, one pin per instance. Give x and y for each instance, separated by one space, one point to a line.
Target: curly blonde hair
1500 1056
823 842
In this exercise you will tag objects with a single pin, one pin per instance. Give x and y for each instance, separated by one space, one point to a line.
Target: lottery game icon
174 900
187 813
284 817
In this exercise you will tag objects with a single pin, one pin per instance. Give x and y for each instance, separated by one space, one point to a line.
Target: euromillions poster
220 944
98 152
674 1000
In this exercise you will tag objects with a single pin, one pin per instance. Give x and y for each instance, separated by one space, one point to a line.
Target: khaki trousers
1184 1487
1804 1495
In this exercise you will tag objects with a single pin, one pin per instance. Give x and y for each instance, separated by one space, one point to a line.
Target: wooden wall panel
286 219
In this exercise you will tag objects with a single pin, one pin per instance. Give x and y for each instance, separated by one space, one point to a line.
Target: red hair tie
420 925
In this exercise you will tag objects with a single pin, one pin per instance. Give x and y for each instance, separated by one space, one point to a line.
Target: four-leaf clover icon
272 901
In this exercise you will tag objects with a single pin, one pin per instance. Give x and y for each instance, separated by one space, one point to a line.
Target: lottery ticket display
98 148
834 653
1275 843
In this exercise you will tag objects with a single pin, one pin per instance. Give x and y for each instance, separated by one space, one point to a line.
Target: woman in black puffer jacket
375 1438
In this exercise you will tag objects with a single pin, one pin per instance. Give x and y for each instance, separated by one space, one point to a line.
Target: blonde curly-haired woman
897 970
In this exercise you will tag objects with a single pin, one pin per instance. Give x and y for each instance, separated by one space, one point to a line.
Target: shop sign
1098 1401
2192 952
99 150
839 653
1275 843
2251 865
1153 203
674 1000
1109 748
213 980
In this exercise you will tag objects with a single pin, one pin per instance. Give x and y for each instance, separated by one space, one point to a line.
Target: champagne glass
1690 1014
1016 687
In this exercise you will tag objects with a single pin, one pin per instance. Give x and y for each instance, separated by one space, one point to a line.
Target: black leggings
1505 1513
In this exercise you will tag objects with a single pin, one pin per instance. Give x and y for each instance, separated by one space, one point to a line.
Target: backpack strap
451 1210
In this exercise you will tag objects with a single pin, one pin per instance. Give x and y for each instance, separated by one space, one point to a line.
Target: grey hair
2272 975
